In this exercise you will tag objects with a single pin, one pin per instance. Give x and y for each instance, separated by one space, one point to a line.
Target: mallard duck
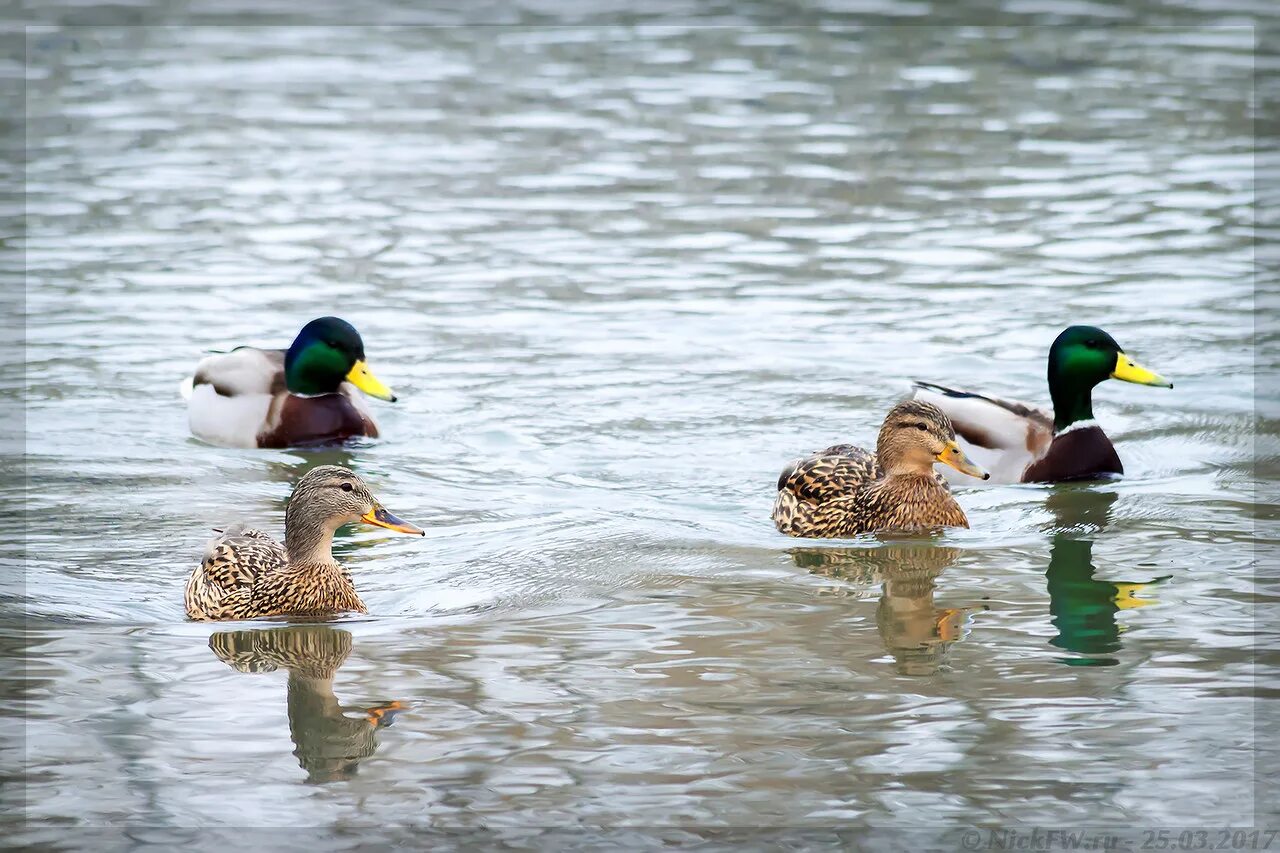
246 574
1020 443
251 397
845 490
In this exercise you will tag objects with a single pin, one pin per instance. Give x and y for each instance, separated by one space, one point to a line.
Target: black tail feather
944 390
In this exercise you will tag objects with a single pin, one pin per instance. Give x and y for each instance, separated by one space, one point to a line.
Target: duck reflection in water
1082 608
330 744
913 628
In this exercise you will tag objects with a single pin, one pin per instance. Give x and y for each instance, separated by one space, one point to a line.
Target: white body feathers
227 421
1003 436
229 397
237 396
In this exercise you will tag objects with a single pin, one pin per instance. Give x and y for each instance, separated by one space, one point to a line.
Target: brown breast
1080 454
314 420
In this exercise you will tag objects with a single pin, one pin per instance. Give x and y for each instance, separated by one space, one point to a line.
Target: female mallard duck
246 574
844 490
306 394
1020 443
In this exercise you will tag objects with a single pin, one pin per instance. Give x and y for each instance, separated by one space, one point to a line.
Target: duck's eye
924 427
1091 343
346 487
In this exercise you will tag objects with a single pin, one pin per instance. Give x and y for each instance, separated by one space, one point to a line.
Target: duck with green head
252 397
1021 443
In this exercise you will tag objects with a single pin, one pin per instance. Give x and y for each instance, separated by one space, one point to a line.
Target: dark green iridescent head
321 356
1080 358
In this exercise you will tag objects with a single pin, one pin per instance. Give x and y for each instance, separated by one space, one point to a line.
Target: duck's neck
308 542
1072 401
912 478
912 488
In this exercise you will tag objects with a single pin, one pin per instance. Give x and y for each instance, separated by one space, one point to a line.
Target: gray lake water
619 276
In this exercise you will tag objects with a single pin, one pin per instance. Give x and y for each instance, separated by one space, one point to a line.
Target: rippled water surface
619 277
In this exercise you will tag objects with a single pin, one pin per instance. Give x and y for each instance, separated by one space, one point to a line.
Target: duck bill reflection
952 455
379 517
1128 370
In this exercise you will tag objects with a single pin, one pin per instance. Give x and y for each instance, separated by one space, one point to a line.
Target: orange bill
379 517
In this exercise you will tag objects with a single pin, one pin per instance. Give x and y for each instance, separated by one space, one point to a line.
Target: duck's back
1003 436
231 395
242 371
222 586
814 493
829 473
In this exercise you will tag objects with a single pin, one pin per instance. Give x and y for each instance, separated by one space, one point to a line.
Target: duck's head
327 352
329 496
1090 354
917 434
1080 358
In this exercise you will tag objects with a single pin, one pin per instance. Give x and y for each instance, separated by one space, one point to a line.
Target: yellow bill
379 517
952 455
362 377
1128 370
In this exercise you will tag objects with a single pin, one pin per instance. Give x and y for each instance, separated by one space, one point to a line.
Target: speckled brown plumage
844 490
862 504
246 574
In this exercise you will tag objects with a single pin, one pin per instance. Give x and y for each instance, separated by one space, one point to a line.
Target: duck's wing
1003 436
241 554
224 581
829 473
230 397
243 371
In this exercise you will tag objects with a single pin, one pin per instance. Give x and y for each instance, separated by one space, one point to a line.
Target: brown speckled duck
246 574
845 490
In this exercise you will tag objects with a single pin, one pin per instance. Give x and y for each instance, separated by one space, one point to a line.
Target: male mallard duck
844 490
1019 443
306 394
246 574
